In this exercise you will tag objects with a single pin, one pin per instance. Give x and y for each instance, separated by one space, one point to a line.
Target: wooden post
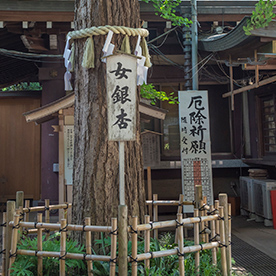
222 242
39 247
223 201
134 246
198 196
88 244
147 241
180 245
26 214
113 249
10 216
213 234
149 186
13 241
122 240
19 199
62 247
196 242
230 237
155 215
206 226
231 82
4 243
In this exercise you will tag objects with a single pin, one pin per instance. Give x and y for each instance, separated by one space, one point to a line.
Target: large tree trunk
96 176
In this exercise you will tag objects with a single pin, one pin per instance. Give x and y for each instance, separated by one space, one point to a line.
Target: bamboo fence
212 223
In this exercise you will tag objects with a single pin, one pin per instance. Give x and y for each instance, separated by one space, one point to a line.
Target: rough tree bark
96 178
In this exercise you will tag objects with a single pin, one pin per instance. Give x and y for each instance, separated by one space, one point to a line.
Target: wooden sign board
195 144
151 148
121 76
68 153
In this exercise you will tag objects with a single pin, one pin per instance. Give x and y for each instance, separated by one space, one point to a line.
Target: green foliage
27 265
23 86
261 17
148 91
165 266
167 10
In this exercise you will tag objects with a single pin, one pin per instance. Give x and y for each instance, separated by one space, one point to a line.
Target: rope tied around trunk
88 60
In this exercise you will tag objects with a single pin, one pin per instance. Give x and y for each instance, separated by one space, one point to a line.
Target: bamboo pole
222 242
26 213
187 249
51 207
122 240
172 223
47 210
180 245
88 244
113 249
217 221
168 202
213 234
155 216
206 236
19 199
223 201
10 215
39 247
4 243
198 196
179 211
13 242
21 217
73 256
149 186
70 227
196 242
147 241
47 216
230 237
201 225
63 230
134 246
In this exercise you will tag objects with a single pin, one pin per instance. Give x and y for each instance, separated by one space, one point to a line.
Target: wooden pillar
147 242
62 247
196 242
4 243
222 242
113 249
180 245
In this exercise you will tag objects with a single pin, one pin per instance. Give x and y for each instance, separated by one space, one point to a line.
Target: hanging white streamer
67 76
142 70
108 47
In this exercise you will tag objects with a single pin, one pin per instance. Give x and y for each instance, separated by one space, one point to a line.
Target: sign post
195 144
121 76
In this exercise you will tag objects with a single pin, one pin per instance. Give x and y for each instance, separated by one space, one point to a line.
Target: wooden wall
19 149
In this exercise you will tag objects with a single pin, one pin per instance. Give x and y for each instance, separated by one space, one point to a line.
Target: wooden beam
38 16
249 87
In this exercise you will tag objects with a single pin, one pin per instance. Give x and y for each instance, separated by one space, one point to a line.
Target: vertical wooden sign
195 143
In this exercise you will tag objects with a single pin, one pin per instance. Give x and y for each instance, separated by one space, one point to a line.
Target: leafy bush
165 266
27 265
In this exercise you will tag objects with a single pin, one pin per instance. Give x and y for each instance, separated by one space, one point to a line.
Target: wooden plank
249 87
